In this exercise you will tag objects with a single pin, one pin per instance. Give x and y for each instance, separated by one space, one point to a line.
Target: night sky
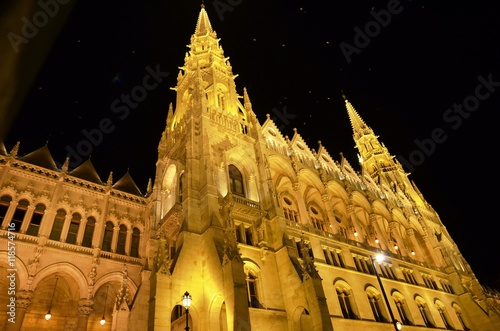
424 75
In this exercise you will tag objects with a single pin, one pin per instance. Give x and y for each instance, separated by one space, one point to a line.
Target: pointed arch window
55 233
36 220
345 301
74 225
458 311
444 315
4 206
21 210
122 239
376 305
181 187
290 210
317 218
136 238
402 308
236 180
424 312
88 233
107 237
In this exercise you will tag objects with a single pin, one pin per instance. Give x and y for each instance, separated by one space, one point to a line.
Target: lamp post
49 315
397 324
103 320
186 302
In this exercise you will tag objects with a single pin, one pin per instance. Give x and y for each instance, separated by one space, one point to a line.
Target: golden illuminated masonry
263 231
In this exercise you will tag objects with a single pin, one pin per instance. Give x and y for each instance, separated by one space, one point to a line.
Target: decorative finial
202 4
343 95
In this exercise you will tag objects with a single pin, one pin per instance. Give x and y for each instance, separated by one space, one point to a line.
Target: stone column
116 230
65 228
23 300
84 310
303 214
81 230
8 214
393 226
332 225
27 219
128 242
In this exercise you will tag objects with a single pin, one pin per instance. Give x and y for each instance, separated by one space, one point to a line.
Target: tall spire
359 127
203 25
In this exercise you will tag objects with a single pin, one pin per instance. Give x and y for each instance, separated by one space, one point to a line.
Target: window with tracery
56 231
376 305
424 312
21 210
136 238
4 206
344 296
107 237
88 233
317 219
36 220
74 225
236 180
444 315
290 210
122 239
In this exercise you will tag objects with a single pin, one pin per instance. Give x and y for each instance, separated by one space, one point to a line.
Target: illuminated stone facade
264 232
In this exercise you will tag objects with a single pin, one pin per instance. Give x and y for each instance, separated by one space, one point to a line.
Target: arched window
402 307
21 209
317 218
4 206
376 305
89 232
253 293
424 312
458 311
181 187
236 180
344 294
55 233
108 237
444 315
36 220
122 240
136 238
290 210
74 225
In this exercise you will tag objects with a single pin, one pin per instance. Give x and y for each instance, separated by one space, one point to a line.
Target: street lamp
103 320
186 302
397 324
49 315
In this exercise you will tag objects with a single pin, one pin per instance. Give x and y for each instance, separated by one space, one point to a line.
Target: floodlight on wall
49 315
103 320
186 302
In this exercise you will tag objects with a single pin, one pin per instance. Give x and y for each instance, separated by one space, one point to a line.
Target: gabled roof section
203 25
325 158
3 150
86 171
298 144
41 157
271 130
127 184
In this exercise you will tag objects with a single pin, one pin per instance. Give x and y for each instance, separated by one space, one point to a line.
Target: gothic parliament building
262 231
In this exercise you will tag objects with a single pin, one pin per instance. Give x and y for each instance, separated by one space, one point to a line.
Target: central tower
207 169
